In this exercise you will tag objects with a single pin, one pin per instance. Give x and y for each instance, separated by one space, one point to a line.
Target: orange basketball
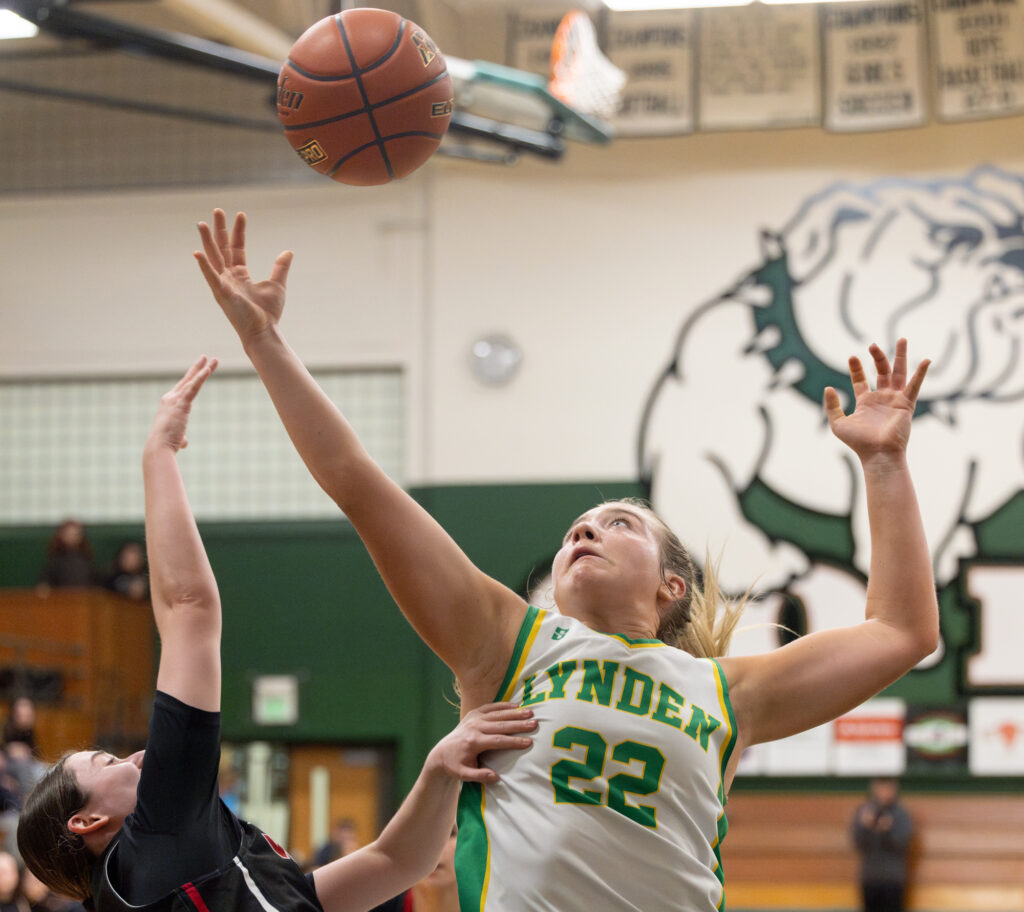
364 96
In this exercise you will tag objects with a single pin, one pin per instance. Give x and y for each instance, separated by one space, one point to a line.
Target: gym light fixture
13 26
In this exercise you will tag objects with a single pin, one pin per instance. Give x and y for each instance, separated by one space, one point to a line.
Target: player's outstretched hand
171 420
494 726
251 306
880 422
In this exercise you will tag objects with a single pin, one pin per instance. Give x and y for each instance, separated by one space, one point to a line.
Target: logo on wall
738 458
937 739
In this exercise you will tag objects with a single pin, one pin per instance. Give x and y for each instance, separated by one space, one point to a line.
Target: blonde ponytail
712 618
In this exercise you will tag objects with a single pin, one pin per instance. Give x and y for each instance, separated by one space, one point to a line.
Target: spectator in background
19 743
11 799
228 787
42 899
69 560
11 899
20 727
128 574
343 841
881 832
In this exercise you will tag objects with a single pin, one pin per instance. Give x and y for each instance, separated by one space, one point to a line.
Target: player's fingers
833 406
210 273
221 236
476 774
238 240
499 705
914 386
282 264
882 369
857 376
899 364
506 724
186 378
210 246
496 711
200 377
505 742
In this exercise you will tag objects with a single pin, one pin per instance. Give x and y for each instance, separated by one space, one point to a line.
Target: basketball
364 96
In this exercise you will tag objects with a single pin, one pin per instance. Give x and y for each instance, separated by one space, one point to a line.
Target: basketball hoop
581 75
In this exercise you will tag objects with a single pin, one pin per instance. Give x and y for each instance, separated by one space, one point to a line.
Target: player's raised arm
820 676
470 620
186 603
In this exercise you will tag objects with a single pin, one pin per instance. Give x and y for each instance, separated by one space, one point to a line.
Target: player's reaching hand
880 422
469 619
408 848
171 422
494 726
251 306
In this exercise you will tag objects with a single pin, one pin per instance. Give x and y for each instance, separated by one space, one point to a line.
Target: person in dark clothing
149 832
128 576
69 561
42 899
881 832
20 748
343 841
20 725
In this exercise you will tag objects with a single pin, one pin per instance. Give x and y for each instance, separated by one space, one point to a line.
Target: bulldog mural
734 421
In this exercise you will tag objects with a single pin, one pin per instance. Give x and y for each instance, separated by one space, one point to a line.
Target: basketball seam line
370 107
357 72
388 54
366 146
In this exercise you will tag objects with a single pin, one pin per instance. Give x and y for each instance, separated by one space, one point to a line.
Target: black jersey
260 877
181 848
180 830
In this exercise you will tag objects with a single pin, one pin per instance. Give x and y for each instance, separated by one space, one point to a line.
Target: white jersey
619 803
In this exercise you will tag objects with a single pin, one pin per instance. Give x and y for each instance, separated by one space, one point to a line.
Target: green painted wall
305 599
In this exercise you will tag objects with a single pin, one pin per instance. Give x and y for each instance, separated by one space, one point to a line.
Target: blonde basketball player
620 803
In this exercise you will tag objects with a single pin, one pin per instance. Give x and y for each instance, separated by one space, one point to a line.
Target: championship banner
531 31
655 50
979 57
760 67
874 65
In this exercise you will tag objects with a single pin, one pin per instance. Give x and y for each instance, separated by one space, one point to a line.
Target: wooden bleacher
90 655
794 851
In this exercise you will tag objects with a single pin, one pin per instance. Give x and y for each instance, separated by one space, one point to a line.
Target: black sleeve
180 829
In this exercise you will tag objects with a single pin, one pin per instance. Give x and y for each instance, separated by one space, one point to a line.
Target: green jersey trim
473 849
728 743
527 634
632 642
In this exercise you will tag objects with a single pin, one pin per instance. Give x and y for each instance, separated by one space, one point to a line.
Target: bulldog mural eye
734 448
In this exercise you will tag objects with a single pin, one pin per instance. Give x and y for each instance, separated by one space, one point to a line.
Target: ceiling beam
230 23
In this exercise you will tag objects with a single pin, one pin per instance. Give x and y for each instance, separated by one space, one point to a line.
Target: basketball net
581 75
